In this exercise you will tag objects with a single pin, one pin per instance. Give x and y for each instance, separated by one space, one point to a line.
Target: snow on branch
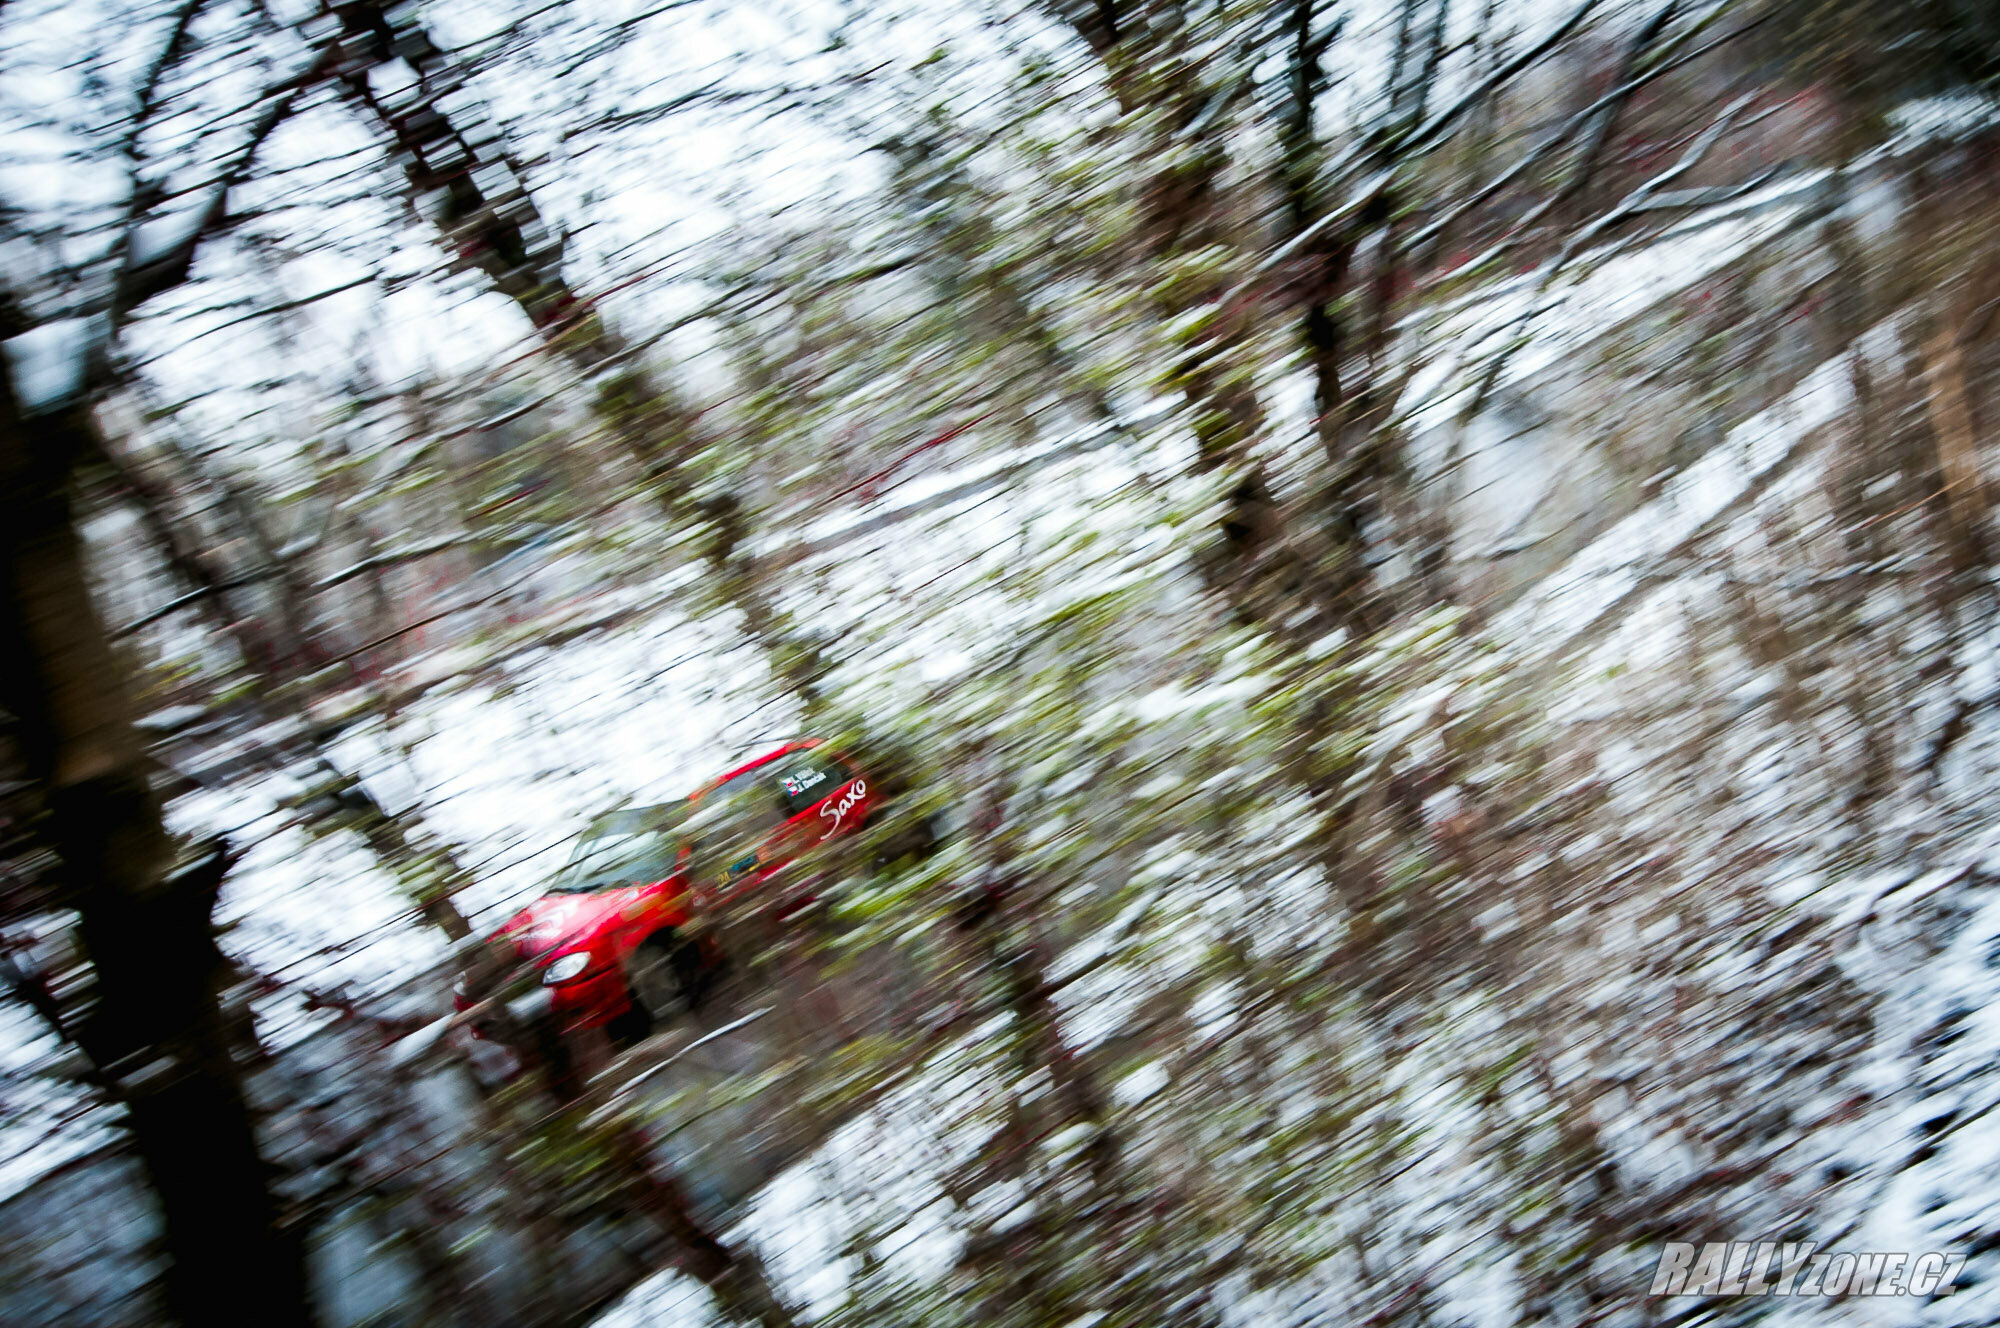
1425 137
61 360
1631 205
1604 110
390 558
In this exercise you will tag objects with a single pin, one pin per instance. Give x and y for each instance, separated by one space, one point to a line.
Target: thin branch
1426 137
1707 198
187 600
1630 205
1584 165
714 94
1399 59
1437 229
143 276
390 558
169 56
263 311
618 34
1432 131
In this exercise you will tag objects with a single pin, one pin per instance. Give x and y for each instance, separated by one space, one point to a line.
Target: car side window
730 822
805 777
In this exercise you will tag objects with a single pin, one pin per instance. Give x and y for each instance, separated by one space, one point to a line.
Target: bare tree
161 1038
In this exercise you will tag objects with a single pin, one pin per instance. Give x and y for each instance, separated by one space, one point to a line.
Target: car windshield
632 847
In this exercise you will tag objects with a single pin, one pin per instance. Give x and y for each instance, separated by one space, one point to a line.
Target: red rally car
608 938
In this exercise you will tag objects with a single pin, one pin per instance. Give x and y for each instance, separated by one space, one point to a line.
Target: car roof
783 749
634 820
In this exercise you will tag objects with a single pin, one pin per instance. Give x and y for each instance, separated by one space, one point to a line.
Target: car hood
554 921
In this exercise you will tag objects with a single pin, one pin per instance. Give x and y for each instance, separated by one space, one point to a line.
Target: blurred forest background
1436 557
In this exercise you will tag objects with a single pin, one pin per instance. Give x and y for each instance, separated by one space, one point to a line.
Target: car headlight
565 968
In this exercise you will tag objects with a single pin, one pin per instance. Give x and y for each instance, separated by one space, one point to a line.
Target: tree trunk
157 1033
1346 415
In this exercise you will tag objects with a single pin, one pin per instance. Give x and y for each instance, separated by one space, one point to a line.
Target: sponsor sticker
837 812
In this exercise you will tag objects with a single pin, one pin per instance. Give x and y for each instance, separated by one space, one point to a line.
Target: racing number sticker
802 779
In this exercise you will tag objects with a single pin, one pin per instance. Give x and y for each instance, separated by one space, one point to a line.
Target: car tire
664 976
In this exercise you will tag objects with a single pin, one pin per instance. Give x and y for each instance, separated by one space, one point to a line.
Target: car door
824 797
759 821
729 833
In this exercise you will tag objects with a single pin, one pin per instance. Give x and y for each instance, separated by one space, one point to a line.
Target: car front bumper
589 1002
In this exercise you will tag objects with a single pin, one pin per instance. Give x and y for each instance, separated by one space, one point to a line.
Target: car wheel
664 975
